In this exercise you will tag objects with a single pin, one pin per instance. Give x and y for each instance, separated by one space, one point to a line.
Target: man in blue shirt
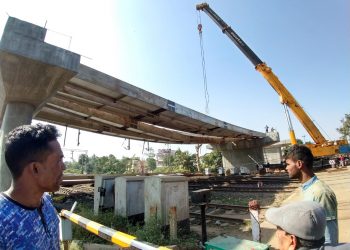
299 162
28 219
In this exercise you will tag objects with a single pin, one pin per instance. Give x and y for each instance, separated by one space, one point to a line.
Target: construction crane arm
286 97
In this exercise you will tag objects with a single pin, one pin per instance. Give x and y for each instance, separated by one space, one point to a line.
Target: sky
155 45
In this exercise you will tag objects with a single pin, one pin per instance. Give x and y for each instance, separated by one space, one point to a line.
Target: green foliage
151 232
99 165
151 163
299 141
181 161
344 130
184 161
212 160
107 218
70 169
168 161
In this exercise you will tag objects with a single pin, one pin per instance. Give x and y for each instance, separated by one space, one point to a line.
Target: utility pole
198 146
72 151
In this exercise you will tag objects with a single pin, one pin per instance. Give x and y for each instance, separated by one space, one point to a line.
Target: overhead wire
319 126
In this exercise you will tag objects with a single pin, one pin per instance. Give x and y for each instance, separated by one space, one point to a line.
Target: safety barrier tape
116 237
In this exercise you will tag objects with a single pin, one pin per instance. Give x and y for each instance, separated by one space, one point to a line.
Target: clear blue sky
154 45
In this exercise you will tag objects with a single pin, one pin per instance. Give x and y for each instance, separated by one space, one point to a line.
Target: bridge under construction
48 83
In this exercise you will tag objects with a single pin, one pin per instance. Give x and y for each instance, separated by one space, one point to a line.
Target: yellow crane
321 147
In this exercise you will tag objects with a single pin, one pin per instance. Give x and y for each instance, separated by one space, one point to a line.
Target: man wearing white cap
300 225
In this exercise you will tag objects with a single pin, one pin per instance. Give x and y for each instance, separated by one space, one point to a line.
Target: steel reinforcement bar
116 237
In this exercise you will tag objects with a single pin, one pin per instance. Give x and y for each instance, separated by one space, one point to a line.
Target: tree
184 161
168 160
83 161
299 141
125 165
198 161
151 163
344 130
72 167
212 160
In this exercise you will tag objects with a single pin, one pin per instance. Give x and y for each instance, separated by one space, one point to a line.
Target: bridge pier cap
31 71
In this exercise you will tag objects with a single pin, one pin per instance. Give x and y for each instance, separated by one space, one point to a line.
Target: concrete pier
31 72
16 114
236 155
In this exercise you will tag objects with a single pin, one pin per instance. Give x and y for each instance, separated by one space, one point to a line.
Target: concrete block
164 192
129 195
103 192
65 229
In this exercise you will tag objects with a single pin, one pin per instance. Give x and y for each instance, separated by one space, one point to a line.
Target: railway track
216 184
223 212
246 189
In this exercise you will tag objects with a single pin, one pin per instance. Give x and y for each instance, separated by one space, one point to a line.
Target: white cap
304 219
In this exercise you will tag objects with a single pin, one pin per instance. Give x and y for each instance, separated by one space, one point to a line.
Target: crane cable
204 73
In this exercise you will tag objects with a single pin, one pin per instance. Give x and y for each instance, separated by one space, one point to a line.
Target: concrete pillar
31 71
16 114
236 155
239 158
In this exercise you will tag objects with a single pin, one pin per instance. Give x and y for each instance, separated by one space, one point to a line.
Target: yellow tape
122 239
75 218
93 227
164 248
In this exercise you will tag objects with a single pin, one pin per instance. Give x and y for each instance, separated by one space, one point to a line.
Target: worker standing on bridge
299 160
28 219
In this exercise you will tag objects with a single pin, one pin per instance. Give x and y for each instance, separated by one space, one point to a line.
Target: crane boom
322 147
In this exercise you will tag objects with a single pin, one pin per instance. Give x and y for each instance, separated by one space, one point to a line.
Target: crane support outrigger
322 147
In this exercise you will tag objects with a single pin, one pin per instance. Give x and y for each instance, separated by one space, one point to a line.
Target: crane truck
321 147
